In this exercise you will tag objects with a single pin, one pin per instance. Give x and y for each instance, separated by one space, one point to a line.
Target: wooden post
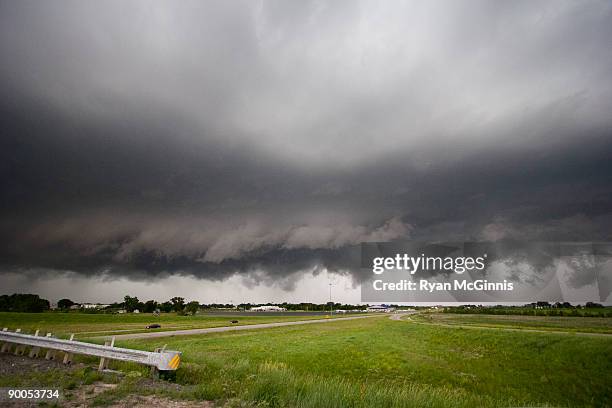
5 346
34 350
112 344
68 356
19 348
154 370
50 353
104 361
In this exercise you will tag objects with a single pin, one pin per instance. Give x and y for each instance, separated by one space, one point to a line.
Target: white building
268 309
380 308
93 306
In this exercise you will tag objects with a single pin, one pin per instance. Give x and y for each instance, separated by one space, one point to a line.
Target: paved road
398 316
190 332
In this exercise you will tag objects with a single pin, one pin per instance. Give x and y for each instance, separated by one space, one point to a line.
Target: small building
380 308
268 309
93 306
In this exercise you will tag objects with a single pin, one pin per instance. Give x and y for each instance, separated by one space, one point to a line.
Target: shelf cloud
147 139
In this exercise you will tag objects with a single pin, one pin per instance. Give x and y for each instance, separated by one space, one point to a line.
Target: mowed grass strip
550 323
379 362
91 325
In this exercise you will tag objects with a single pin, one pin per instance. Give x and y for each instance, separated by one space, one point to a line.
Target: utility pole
331 305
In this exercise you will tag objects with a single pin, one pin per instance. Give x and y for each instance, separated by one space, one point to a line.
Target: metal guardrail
163 360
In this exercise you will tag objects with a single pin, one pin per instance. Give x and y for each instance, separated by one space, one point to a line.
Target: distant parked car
234 321
154 326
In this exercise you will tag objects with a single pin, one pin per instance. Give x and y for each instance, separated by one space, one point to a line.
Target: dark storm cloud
149 138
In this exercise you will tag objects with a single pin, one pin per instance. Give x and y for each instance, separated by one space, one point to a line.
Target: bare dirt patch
146 401
82 395
11 364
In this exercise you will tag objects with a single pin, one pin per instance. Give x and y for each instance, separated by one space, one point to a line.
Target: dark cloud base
214 140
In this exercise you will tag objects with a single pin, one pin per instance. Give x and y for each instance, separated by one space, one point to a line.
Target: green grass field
530 311
91 325
381 363
550 323
378 362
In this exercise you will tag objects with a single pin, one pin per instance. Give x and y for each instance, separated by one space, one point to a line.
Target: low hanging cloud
270 138
202 247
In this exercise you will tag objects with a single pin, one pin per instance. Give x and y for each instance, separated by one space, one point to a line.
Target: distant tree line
20 302
590 309
181 307
306 306
176 304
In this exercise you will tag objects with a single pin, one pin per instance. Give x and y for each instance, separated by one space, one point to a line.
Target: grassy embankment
91 325
378 362
548 323
531 311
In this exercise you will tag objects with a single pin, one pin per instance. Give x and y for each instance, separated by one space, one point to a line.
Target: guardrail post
104 361
19 349
50 353
68 356
35 349
154 370
5 346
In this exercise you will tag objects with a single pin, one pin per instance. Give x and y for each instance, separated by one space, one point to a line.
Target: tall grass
372 363
274 384
378 362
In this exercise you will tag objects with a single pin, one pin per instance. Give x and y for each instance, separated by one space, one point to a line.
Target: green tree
130 303
149 306
192 307
65 303
166 307
178 304
19 302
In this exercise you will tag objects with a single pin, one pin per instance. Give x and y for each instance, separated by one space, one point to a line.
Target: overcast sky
243 149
